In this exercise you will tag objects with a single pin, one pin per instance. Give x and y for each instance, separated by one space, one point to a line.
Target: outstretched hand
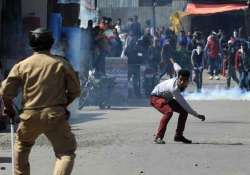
202 117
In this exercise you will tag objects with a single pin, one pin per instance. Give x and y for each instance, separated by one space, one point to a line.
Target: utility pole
154 4
95 4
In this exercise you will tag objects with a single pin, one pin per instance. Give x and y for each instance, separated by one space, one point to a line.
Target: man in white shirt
167 98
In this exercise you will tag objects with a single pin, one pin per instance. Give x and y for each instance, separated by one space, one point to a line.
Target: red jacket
237 59
213 47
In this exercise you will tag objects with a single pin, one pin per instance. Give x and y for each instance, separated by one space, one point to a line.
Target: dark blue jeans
231 74
245 80
198 78
213 66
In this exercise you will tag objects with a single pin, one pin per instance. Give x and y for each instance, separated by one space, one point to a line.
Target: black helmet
41 39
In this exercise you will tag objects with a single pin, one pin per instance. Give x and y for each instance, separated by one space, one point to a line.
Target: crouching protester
49 84
167 98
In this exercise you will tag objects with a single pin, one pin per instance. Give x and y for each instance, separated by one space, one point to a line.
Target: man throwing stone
167 98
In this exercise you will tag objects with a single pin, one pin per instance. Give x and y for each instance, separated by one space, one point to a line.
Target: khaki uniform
48 85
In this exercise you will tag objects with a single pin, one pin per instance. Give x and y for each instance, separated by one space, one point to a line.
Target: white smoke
219 94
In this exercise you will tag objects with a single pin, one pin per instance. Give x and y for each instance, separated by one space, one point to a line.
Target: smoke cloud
219 94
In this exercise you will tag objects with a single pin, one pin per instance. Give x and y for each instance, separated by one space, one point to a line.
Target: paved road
120 141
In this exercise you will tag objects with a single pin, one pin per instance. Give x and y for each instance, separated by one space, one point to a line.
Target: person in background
116 44
230 63
135 28
182 39
212 52
118 26
165 65
244 65
197 59
155 54
134 62
182 57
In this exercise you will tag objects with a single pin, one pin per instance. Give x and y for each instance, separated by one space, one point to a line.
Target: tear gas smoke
219 94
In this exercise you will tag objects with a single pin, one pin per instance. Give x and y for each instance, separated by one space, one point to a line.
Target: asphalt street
120 141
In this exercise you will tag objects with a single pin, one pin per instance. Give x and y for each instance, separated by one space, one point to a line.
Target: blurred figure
196 39
222 41
230 63
197 59
116 44
189 37
101 50
235 38
182 39
118 26
150 74
182 57
135 28
155 54
128 26
134 61
189 42
166 65
245 67
87 49
212 52
148 36
102 22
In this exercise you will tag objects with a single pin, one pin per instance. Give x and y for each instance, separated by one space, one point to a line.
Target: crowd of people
223 55
45 108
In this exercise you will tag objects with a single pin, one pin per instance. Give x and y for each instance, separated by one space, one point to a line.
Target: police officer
49 84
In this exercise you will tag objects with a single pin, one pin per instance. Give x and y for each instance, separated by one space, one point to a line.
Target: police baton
12 135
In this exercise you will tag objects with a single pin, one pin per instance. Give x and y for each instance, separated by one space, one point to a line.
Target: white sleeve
181 100
177 67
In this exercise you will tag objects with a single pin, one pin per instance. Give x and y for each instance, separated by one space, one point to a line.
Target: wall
38 7
122 11
178 5
144 13
117 3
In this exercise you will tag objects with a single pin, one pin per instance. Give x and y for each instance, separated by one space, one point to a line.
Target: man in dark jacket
134 61
197 59
245 66
230 63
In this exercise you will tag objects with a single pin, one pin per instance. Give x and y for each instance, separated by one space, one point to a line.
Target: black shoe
182 139
159 141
